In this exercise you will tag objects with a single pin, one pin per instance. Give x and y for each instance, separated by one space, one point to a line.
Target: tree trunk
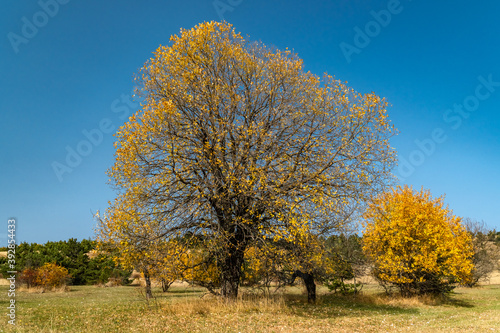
231 259
310 286
149 293
231 274
308 279
165 285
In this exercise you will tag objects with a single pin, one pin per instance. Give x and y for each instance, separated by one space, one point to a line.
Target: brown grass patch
215 305
41 290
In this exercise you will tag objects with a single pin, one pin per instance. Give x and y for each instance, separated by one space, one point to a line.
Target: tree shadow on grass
452 300
179 293
329 306
335 305
458 303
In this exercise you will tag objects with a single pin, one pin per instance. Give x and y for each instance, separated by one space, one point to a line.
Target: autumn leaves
416 243
238 146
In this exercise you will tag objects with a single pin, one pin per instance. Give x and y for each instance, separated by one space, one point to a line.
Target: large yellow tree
416 243
236 143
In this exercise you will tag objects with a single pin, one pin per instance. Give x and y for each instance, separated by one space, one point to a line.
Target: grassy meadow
183 309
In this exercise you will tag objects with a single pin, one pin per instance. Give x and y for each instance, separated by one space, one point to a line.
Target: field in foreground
123 309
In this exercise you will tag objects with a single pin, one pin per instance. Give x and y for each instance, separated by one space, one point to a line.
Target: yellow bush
416 243
51 275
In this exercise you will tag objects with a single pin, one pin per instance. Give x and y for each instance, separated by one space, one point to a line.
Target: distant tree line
83 264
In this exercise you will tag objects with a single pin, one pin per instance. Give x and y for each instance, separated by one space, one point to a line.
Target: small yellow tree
416 243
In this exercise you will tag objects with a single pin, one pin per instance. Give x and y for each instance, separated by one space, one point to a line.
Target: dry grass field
183 309
189 309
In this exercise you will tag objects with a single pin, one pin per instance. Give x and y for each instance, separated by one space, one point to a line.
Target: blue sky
67 71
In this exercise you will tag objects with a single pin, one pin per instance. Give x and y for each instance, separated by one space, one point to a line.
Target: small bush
49 276
336 283
52 275
28 276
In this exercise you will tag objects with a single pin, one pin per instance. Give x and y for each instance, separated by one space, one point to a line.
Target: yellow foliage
276 261
237 143
416 242
51 275
200 269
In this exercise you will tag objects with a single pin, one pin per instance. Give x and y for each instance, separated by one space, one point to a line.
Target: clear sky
67 78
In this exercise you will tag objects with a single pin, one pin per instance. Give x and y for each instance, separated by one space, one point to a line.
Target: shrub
416 244
51 275
337 283
28 276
